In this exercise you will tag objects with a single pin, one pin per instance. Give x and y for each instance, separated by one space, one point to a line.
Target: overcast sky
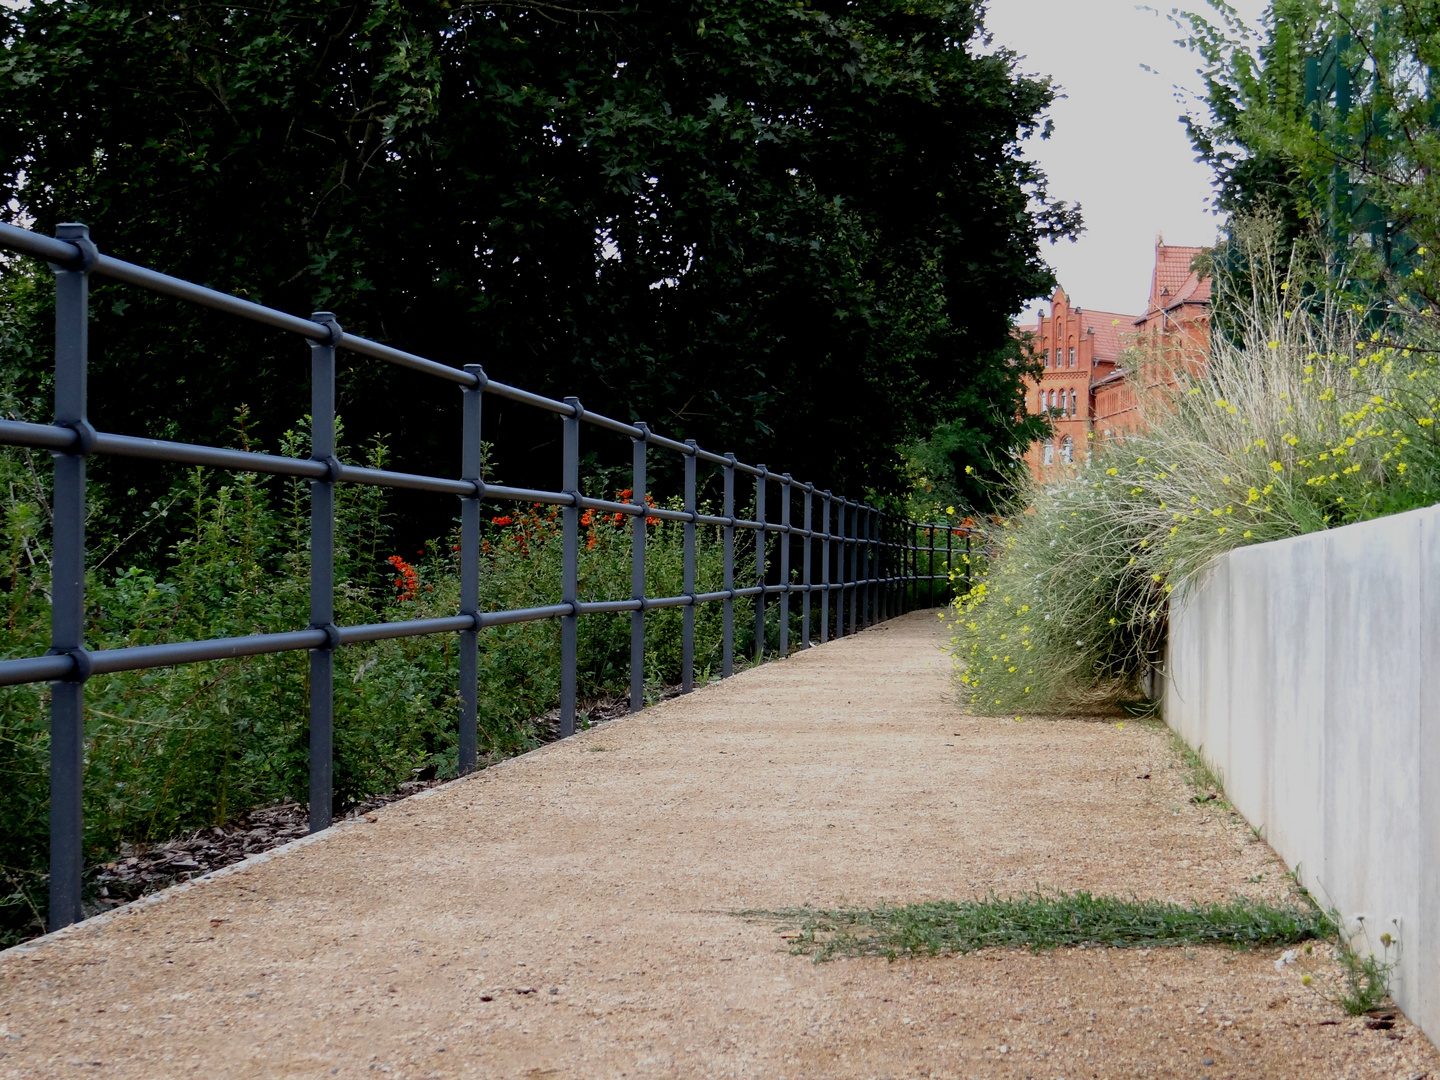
1118 148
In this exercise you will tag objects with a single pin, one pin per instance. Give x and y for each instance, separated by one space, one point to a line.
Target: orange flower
587 517
407 580
503 520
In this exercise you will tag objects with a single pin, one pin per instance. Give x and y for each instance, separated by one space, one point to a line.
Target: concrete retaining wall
1307 673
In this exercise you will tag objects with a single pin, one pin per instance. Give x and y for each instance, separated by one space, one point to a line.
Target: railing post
854 535
570 566
913 569
67 583
637 570
687 617
872 566
862 530
727 630
968 562
760 565
785 499
472 469
949 564
824 568
841 596
805 570
322 575
882 557
931 531
883 524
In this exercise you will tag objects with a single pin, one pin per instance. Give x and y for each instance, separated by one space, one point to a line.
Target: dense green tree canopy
1329 118
797 230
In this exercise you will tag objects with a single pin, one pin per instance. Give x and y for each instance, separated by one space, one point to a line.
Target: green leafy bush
173 749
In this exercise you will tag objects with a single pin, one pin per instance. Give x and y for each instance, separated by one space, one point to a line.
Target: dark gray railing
868 558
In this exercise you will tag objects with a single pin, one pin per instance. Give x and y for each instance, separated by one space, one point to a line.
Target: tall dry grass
1313 410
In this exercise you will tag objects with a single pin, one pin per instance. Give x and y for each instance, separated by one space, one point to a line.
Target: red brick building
1083 385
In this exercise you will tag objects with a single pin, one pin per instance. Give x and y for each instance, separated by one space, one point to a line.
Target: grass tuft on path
1044 921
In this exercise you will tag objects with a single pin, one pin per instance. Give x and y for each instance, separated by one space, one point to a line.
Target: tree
1332 121
794 230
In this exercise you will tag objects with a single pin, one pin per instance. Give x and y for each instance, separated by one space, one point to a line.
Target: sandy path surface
567 914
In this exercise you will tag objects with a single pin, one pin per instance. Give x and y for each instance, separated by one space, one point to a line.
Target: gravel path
567 914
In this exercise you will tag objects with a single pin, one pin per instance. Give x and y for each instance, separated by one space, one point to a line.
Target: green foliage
1330 119
173 749
1303 419
968 459
797 231
1198 773
1367 981
1042 921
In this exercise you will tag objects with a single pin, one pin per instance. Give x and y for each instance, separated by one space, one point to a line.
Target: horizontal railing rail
869 560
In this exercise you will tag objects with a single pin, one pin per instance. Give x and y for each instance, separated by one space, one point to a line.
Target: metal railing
868 559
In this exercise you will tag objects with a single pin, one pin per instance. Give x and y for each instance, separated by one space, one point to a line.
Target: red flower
503 520
407 581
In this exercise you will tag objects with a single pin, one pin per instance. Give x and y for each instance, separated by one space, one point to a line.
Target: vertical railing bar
570 566
825 567
322 576
687 617
727 630
901 525
882 526
67 585
912 570
842 598
968 562
784 539
760 494
472 469
931 572
862 528
886 592
808 539
949 565
854 565
872 565
638 480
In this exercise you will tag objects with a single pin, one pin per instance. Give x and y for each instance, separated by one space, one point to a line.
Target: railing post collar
327 320
81 656
87 254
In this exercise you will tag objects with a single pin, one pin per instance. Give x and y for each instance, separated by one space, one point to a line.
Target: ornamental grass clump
1313 411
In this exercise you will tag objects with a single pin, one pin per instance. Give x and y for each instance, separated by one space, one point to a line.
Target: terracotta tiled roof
1108 326
1173 283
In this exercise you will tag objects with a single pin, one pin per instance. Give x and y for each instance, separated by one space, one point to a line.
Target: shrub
1314 410
169 750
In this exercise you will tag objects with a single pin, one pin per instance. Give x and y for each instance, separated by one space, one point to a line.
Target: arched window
1067 450
1049 453
1072 401
1072 355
